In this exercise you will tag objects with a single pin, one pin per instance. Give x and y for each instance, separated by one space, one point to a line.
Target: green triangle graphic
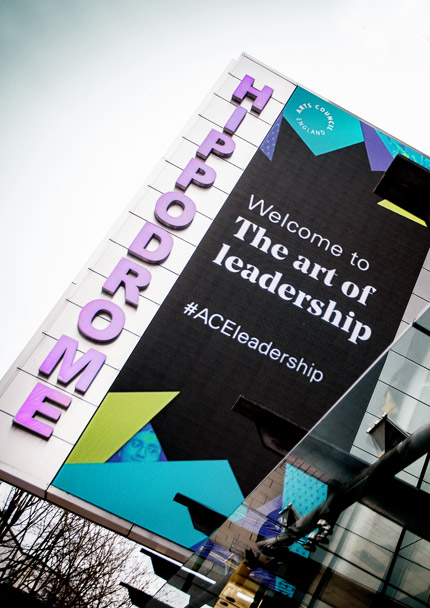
118 418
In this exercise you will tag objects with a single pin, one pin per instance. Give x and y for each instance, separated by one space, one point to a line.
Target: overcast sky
94 91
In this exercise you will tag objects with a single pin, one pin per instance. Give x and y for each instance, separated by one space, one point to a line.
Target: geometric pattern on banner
119 417
143 493
322 126
381 149
379 157
400 211
395 147
269 144
305 492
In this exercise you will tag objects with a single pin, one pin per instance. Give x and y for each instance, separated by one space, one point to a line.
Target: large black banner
299 284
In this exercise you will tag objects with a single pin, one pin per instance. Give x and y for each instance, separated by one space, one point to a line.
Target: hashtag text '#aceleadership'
231 329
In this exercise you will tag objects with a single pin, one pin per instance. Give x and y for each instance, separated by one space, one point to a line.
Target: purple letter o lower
94 308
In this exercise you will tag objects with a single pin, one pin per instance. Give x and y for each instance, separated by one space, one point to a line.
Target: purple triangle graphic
379 157
269 144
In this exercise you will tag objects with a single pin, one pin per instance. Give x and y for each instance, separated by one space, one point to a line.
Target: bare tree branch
62 559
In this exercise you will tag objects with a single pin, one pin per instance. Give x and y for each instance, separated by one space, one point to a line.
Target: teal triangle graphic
143 493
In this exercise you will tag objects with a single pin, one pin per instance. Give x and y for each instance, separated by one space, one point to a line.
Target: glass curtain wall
343 520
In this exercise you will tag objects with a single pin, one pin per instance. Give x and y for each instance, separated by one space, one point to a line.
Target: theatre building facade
220 382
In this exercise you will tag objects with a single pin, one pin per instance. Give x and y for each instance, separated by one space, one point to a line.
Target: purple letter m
66 348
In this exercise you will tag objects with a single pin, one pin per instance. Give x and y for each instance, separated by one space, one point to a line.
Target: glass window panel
416 468
417 550
360 551
363 521
414 345
412 578
363 440
427 473
424 320
350 571
405 411
363 455
408 477
339 427
404 599
407 377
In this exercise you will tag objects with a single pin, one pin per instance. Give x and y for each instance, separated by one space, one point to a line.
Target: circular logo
314 119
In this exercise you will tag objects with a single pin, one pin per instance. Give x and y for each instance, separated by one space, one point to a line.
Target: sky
93 92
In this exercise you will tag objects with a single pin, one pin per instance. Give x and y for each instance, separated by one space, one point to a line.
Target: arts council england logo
314 119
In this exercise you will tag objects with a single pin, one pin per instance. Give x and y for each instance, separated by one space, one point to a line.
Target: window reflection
371 554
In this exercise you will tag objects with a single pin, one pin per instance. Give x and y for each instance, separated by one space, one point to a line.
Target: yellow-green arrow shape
118 418
396 209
